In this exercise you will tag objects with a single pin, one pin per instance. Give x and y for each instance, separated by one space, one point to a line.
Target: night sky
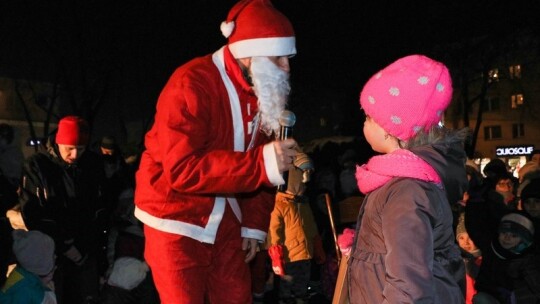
136 45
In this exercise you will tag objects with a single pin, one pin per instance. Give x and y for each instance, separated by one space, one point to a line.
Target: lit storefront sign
514 151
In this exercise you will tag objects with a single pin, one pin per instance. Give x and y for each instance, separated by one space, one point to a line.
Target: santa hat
72 130
256 28
407 96
34 251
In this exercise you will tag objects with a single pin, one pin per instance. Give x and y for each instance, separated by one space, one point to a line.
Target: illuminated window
492 104
493 75
492 132
517 100
518 130
515 71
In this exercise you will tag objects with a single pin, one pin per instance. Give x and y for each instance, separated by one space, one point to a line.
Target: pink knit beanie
407 96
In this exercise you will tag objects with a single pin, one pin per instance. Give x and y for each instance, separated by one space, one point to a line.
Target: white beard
271 85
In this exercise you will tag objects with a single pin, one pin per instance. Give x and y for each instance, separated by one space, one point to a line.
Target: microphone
287 119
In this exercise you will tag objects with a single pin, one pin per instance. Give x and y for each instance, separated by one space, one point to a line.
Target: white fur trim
236 111
278 46
253 234
204 234
227 28
270 164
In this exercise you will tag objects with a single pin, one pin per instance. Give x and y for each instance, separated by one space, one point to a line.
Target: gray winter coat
405 250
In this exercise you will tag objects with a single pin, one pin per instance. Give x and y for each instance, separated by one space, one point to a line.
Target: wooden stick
332 224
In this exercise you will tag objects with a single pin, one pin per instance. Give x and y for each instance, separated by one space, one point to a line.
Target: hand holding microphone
286 150
285 147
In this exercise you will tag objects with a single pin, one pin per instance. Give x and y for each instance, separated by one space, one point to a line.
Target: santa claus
206 183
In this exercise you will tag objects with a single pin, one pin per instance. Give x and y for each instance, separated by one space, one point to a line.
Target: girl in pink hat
405 249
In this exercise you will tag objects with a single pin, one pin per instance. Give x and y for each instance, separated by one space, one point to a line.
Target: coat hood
448 158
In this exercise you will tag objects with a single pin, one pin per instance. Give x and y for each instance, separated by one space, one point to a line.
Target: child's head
505 186
463 239
530 198
34 251
408 96
516 232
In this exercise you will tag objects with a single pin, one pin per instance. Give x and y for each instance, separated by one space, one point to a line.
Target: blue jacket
22 287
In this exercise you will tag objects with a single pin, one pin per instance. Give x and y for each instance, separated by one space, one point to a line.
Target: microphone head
287 119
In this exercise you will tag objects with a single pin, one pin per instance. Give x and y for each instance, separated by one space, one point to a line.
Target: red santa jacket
196 161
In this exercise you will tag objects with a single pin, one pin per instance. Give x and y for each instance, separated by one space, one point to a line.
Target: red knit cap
256 28
73 131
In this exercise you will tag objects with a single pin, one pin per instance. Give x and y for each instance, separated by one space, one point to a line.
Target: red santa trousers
188 271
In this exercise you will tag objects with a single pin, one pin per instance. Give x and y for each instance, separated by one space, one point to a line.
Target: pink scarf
400 163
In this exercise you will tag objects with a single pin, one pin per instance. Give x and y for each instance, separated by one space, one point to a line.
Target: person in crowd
6 254
510 271
530 204
347 180
206 181
116 169
475 178
11 155
118 179
405 250
61 196
504 186
528 167
31 280
293 237
128 279
472 256
535 156
528 172
488 202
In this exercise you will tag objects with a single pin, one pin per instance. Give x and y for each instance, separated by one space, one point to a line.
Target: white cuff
270 164
253 234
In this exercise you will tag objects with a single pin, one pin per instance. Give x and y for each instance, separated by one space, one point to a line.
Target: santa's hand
249 245
285 153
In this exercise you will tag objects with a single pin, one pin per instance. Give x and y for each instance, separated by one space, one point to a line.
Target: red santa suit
195 174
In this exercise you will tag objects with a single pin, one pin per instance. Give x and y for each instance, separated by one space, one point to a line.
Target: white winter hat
128 273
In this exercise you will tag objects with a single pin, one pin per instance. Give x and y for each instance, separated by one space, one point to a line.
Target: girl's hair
434 135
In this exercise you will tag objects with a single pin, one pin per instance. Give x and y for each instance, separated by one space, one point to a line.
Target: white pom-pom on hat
227 28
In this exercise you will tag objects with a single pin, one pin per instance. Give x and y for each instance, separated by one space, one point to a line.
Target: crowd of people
222 208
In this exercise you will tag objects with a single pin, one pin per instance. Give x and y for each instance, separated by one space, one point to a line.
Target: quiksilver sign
518 150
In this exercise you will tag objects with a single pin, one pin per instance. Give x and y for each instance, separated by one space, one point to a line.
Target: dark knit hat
34 251
495 169
108 142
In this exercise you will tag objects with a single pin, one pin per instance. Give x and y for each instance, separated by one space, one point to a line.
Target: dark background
126 50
